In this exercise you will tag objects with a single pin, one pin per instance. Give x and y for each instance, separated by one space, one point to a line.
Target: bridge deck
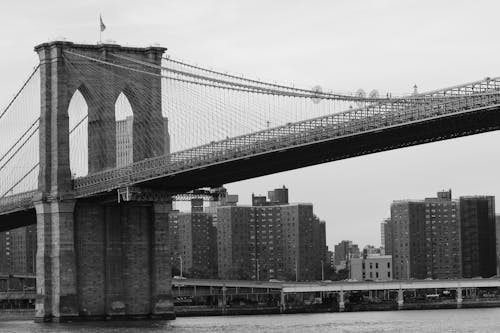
311 134
377 127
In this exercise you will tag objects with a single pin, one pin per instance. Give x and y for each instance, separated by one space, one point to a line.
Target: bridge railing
20 201
300 133
488 84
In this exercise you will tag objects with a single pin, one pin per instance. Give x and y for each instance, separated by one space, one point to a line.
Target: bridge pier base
56 294
161 282
99 261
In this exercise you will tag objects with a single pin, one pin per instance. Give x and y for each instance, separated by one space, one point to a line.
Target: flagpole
100 29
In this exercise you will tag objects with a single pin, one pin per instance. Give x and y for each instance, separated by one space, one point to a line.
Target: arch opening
124 118
78 135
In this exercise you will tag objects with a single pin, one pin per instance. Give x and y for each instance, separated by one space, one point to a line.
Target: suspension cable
250 89
231 76
416 96
315 94
309 93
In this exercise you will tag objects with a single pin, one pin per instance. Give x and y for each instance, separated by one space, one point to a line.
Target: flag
103 27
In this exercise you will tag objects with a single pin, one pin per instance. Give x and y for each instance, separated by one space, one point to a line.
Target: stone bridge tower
97 258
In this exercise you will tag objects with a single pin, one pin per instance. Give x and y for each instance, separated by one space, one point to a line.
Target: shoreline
195 311
203 311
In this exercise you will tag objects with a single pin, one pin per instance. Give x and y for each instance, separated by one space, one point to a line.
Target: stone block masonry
122 262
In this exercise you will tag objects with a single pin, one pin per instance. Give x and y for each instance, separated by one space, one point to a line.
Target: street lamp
322 271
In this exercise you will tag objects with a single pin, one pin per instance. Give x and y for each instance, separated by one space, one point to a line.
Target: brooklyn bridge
100 200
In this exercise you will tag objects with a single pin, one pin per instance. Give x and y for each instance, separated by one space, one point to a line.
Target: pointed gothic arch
78 108
124 118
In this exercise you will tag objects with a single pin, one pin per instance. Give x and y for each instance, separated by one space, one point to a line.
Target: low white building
376 268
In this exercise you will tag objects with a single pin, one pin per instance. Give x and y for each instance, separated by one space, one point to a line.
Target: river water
422 321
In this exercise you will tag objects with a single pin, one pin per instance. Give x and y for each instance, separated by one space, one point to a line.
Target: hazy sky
388 45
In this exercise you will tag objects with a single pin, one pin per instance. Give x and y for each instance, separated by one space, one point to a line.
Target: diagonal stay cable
37 164
19 92
20 180
19 140
78 124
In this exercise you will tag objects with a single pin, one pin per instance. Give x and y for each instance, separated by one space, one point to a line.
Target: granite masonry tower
97 258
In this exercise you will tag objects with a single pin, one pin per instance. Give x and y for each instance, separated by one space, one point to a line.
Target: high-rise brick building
193 241
442 238
407 219
173 238
478 235
270 240
298 237
233 242
426 238
18 250
4 252
497 221
266 244
320 255
386 236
